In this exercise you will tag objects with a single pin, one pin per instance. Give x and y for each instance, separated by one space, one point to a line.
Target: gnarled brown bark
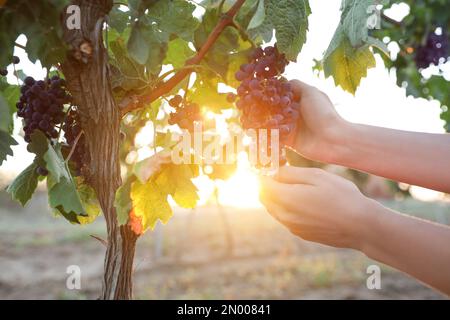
88 78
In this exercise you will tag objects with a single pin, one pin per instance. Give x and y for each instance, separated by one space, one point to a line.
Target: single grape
240 75
231 97
42 171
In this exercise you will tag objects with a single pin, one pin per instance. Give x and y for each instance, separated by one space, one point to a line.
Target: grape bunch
72 134
266 99
433 51
185 113
41 106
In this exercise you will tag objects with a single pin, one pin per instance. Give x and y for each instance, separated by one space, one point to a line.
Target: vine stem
137 102
74 146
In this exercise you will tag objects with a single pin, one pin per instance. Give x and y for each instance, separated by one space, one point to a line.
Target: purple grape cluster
433 51
72 132
41 106
185 113
266 99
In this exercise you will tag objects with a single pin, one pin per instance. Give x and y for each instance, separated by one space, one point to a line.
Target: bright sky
378 101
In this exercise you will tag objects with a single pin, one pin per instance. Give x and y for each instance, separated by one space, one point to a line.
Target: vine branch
135 102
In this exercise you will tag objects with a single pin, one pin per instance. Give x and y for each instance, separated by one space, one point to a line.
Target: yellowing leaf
150 204
146 168
176 181
90 203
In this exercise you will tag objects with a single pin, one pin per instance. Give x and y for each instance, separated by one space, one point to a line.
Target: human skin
321 207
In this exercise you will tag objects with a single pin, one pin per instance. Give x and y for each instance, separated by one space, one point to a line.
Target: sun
242 189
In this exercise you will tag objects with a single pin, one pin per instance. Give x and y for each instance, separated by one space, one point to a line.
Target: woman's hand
318 206
321 207
320 127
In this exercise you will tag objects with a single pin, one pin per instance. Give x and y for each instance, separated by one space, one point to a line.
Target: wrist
370 227
336 142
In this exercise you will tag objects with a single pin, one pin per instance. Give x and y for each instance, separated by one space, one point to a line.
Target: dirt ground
190 258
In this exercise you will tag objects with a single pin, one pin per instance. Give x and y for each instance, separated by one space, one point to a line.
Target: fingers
273 208
286 195
300 88
299 175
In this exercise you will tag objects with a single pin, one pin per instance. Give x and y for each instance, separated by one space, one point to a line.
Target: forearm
414 246
415 158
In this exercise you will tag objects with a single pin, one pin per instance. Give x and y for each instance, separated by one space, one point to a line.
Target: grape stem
137 102
74 146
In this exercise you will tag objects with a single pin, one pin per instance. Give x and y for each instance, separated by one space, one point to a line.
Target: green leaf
348 65
5 115
354 20
23 187
217 57
290 20
123 202
6 141
258 17
158 51
118 19
55 163
130 74
62 189
39 146
64 197
174 17
150 204
138 45
205 93
178 52
9 96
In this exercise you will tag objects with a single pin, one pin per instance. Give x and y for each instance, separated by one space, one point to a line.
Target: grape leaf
217 57
9 96
123 202
5 115
258 17
138 44
178 52
55 163
62 189
6 141
118 19
89 201
63 196
150 204
146 168
23 187
174 17
205 92
38 146
346 64
176 181
290 20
